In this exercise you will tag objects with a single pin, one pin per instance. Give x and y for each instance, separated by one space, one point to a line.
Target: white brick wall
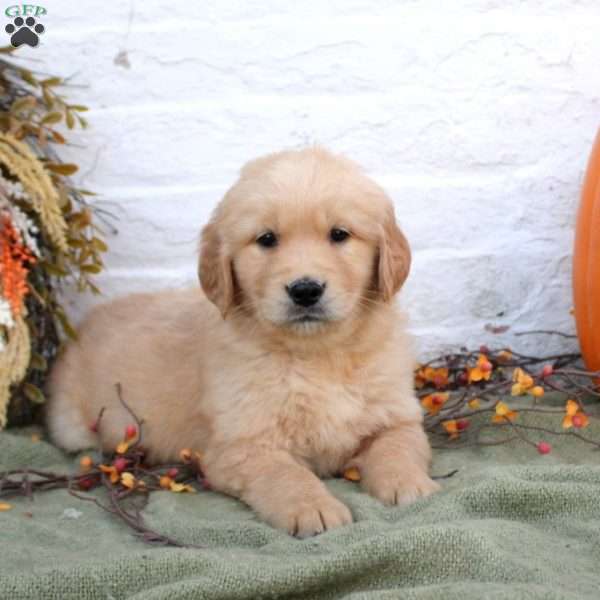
476 115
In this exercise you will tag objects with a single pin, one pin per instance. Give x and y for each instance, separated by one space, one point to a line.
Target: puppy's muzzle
305 292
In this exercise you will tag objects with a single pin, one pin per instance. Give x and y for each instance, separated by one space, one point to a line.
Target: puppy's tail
67 427
66 419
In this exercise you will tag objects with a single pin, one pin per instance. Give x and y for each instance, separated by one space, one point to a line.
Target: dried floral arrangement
49 233
463 395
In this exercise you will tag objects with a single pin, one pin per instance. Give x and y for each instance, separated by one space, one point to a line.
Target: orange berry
86 463
165 482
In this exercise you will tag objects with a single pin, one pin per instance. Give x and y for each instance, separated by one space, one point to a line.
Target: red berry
462 424
462 377
94 427
120 463
437 400
439 381
544 448
172 473
486 367
547 371
484 349
130 432
577 421
86 483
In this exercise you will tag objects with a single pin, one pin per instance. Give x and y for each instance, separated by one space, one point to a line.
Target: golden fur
272 402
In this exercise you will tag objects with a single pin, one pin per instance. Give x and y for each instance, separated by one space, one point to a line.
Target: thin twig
546 332
139 422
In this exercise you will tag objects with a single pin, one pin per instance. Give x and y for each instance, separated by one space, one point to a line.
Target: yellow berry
537 391
474 404
352 474
122 448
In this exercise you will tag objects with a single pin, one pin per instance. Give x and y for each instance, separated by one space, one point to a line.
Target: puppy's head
303 241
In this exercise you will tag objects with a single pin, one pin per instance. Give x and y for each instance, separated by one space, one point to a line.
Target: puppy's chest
321 414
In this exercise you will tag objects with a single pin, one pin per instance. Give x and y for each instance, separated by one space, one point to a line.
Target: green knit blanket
510 524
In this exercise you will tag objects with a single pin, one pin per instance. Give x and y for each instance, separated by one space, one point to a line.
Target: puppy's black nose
305 292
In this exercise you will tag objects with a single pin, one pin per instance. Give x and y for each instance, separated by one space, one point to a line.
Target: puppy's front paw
311 516
396 488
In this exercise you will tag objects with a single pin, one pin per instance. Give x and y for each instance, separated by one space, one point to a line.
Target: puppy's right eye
267 240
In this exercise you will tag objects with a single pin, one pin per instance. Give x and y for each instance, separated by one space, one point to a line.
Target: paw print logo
24 31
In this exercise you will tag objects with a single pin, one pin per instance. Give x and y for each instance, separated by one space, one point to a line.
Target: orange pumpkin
586 263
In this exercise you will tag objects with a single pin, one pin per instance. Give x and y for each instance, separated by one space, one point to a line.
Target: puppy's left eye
338 235
267 240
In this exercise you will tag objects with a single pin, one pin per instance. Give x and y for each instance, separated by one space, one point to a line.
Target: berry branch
456 389
122 475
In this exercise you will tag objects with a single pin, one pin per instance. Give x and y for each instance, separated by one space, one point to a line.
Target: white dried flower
24 225
13 189
6 317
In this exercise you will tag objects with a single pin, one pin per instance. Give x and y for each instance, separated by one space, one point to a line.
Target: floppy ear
215 269
394 258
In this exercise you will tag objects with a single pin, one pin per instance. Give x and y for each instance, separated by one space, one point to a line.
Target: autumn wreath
49 233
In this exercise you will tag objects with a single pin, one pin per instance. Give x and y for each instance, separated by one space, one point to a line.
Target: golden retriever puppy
293 365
